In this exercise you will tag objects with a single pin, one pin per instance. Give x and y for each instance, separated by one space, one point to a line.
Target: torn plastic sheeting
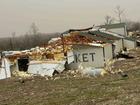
46 68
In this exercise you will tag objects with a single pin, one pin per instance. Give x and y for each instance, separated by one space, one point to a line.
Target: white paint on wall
70 57
87 56
129 44
45 68
118 46
5 69
120 31
108 52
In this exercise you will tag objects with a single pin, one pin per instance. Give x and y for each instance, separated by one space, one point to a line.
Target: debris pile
92 71
109 66
21 74
68 74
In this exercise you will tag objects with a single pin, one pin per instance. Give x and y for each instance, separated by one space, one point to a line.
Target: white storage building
94 55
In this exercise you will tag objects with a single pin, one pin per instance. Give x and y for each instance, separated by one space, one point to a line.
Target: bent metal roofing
111 26
101 35
106 34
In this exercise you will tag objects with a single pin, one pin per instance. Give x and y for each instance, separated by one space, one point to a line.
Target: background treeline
133 26
26 41
34 38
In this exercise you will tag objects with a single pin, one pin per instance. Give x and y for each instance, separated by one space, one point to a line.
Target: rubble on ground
113 66
21 74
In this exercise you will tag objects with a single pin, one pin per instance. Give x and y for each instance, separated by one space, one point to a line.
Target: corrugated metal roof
111 26
109 36
130 38
76 30
112 33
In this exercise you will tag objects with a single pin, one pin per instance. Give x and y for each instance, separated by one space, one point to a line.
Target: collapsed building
121 30
91 47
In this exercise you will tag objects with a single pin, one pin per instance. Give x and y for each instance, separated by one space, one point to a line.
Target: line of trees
26 41
133 26
31 39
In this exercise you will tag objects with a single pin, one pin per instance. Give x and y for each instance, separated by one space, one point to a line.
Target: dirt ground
107 90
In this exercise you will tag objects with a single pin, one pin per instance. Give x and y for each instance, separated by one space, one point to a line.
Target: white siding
5 69
70 57
87 56
41 69
120 31
108 52
129 44
118 46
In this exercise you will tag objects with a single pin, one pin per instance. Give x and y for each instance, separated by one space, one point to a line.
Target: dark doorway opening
138 43
23 64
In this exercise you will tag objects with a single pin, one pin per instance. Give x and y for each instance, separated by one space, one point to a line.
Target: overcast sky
60 15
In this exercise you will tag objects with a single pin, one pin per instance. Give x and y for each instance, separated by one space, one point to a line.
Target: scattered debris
124 55
21 80
122 73
109 66
121 59
21 74
92 71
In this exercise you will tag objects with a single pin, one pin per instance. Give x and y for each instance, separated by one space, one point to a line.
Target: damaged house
87 50
91 47
105 46
118 28
121 30
33 62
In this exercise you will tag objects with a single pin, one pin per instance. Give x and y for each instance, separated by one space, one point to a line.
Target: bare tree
11 44
119 12
13 39
108 19
34 29
35 34
136 26
133 26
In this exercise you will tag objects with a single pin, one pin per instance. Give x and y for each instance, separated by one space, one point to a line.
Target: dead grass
108 90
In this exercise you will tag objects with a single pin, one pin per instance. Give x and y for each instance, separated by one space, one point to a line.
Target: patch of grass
111 89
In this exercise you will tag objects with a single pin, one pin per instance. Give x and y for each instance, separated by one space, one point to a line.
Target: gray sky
59 15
